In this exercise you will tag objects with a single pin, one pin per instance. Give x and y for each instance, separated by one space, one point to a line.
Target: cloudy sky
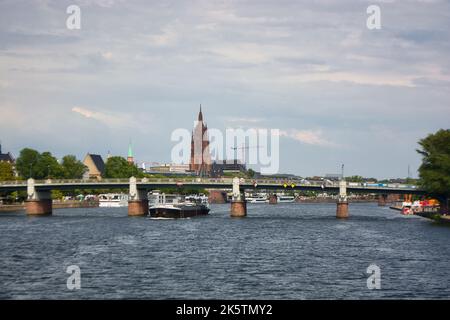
339 92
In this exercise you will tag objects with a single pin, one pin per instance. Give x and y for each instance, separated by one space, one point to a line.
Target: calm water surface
287 251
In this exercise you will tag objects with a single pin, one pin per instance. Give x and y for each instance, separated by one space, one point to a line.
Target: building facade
220 167
95 165
168 168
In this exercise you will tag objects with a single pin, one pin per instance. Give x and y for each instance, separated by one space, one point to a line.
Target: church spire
130 150
200 114
130 157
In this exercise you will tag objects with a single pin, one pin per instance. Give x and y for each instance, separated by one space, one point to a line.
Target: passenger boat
175 206
113 200
197 198
257 198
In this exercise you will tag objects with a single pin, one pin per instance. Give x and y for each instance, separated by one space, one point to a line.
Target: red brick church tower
200 156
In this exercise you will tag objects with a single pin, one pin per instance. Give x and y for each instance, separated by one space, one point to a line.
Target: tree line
43 165
33 164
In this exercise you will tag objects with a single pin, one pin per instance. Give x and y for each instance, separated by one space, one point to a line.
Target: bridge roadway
206 183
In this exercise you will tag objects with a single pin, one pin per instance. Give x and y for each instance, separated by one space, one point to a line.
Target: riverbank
429 214
444 219
330 200
56 205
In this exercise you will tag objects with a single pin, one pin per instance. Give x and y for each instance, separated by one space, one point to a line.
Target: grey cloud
12 40
423 36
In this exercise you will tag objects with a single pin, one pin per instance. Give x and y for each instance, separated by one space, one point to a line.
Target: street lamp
31 166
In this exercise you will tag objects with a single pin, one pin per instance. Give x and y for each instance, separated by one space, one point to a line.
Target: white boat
285 198
113 200
157 198
257 198
197 198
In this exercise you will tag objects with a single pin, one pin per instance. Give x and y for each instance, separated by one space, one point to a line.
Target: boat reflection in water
285 198
163 205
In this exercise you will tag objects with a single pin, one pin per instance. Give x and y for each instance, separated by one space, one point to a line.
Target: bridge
39 200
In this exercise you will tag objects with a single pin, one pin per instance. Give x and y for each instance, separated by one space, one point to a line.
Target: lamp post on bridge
31 169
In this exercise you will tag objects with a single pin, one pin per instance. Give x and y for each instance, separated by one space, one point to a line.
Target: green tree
57 194
434 172
118 167
31 163
26 163
48 167
354 179
72 168
6 171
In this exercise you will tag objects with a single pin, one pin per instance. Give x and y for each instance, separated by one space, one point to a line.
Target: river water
284 251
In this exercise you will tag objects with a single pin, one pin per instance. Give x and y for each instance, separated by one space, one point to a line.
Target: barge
174 206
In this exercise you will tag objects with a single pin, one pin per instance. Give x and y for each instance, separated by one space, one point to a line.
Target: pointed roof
97 160
200 114
130 151
5 156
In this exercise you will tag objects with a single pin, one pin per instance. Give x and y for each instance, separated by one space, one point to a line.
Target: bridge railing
81 181
114 181
13 183
200 181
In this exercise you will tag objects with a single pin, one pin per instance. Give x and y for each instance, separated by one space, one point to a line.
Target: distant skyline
338 92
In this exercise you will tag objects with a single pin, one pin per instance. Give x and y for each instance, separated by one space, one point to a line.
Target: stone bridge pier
342 203
382 200
273 199
39 202
137 200
238 203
